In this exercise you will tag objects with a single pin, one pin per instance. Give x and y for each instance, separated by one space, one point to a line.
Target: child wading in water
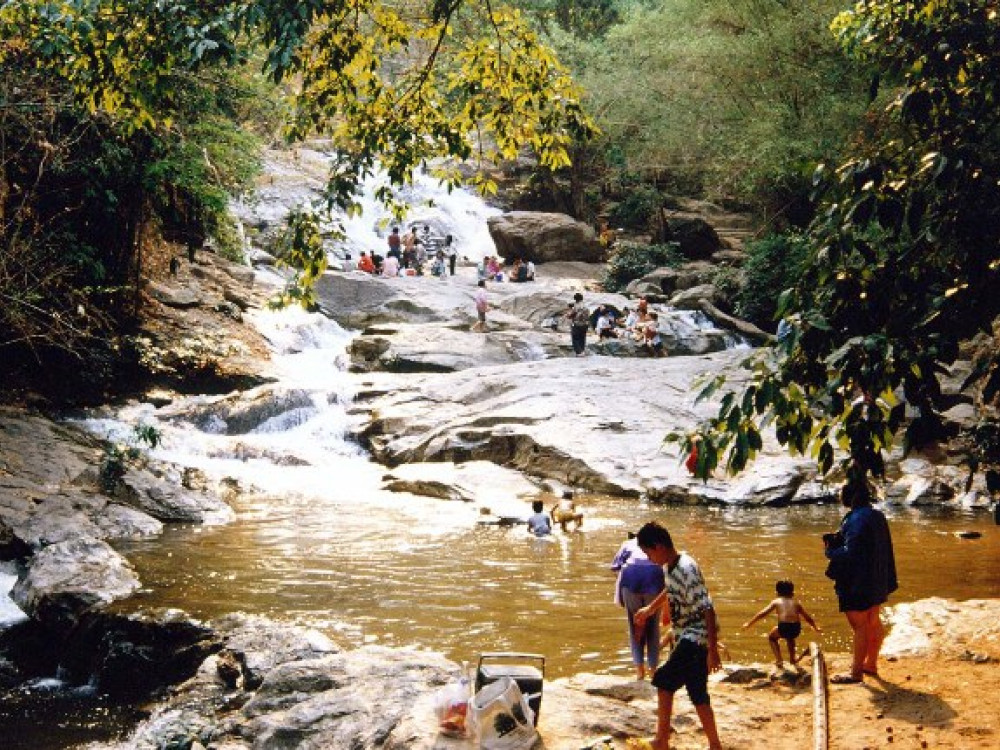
790 614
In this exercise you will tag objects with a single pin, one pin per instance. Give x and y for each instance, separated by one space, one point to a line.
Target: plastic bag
451 706
500 717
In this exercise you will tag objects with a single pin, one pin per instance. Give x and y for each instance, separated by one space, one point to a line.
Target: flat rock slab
595 423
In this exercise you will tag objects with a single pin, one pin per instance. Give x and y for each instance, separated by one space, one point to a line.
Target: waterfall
293 179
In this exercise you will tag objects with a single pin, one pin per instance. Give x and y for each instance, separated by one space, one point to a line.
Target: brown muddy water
411 571
380 577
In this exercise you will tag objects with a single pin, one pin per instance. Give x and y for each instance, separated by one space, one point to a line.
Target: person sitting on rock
529 271
390 266
518 272
605 329
439 268
652 342
365 263
565 511
629 320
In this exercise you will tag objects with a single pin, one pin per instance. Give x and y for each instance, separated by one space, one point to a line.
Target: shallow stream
370 573
324 544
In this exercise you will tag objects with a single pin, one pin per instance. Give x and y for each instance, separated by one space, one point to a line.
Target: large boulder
544 237
695 237
66 580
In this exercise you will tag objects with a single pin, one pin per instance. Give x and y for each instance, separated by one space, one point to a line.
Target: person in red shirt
365 263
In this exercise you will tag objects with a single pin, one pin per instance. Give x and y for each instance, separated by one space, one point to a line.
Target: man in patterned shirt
696 652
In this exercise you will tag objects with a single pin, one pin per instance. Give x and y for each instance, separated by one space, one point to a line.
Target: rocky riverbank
275 686
430 393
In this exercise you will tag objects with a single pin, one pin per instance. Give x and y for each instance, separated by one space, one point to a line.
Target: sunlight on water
318 540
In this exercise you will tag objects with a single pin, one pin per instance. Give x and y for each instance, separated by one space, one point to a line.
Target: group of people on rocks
490 268
642 325
659 584
415 253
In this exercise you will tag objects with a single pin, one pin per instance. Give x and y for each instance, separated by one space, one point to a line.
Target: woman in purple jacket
640 582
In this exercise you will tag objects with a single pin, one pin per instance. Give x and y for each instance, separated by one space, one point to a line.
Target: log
821 704
743 327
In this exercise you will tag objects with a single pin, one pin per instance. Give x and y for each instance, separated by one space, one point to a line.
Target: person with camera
863 568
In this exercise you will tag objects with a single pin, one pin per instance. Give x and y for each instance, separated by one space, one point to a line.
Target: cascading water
296 180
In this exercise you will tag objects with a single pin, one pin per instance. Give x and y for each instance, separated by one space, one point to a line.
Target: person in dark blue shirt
863 568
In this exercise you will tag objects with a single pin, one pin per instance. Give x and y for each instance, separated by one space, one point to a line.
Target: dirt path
939 687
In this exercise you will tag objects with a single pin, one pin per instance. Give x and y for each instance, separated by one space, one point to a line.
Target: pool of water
420 572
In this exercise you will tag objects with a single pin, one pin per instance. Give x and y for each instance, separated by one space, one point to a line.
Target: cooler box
528 676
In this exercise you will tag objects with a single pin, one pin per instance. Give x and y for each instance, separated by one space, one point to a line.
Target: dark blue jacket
862 562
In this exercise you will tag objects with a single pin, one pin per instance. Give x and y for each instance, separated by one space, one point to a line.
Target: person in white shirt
603 325
390 266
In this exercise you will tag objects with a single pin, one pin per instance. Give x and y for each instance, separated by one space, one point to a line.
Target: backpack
581 316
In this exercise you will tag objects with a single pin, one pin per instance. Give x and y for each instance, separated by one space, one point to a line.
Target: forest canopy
903 258
107 129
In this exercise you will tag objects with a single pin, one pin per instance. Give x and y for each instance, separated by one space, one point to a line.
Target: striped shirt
688 597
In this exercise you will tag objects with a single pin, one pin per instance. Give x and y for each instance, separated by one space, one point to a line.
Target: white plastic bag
500 717
451 706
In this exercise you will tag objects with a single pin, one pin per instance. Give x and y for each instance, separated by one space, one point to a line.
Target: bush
728 282
638 208
773 264
118 457
630 261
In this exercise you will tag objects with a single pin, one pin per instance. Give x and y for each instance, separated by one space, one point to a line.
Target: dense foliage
632 260
120 113
904 256
637 210
774 263
730 100
80 199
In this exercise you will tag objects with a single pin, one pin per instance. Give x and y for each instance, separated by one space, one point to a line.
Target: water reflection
421 572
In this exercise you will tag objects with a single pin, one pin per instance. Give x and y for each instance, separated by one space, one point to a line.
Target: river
321 542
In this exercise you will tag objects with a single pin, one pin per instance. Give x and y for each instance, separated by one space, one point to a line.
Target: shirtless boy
790 614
